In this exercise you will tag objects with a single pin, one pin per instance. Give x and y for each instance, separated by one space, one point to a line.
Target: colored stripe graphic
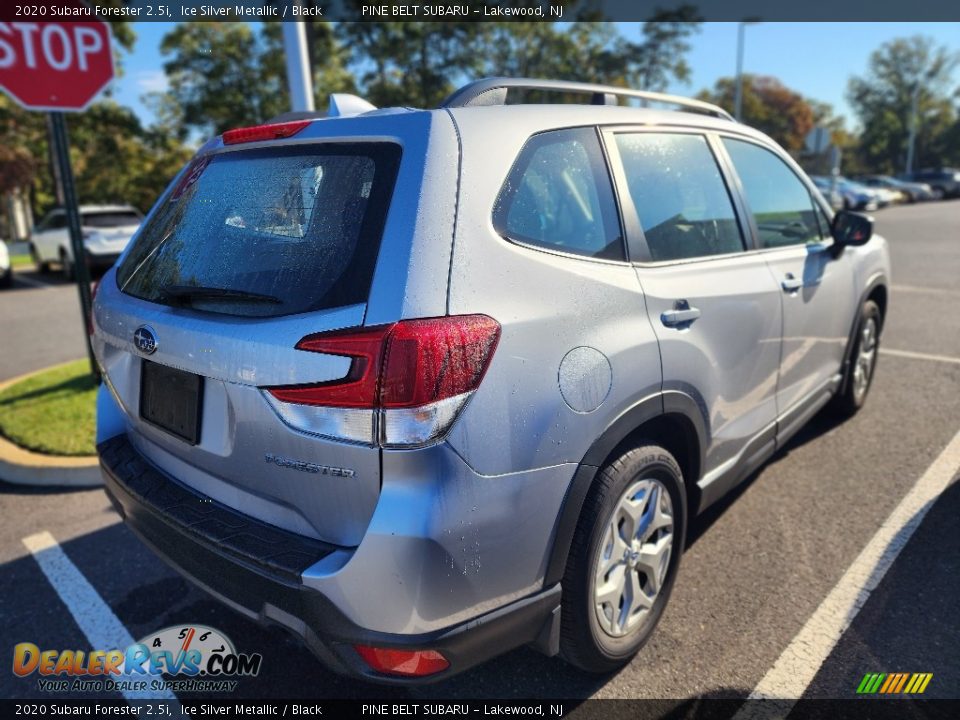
890 680
894 683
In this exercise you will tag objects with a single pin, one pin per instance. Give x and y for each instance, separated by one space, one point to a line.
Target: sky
815 59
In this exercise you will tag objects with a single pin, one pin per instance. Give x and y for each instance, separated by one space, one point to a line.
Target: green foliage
883 101
52 412
419 64
222 75
113 158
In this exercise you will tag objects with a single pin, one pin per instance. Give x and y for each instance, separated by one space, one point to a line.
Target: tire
863 362
42 265
68 270
6 279
644 474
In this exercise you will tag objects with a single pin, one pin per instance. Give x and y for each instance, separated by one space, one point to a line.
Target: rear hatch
255 248
107 232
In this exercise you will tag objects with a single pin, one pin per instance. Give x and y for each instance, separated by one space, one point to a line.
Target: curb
23 467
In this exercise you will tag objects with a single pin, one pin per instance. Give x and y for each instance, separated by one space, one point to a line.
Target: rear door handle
790 283
681 315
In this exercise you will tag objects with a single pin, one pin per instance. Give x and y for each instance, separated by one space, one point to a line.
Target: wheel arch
671 419
876 290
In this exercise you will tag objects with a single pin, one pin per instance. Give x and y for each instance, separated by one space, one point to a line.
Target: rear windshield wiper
188 293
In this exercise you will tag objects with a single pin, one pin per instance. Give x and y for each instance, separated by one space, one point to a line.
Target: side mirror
850 228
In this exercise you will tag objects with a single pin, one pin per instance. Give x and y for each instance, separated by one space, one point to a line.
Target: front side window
680 197
782 206
559 196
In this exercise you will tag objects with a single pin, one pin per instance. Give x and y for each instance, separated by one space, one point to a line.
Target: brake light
359 388
406 385
414 663
274 131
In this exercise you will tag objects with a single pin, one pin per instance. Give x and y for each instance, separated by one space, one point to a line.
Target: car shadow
73 385
822 423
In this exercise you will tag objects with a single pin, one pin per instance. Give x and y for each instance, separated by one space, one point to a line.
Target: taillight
274 131
406 385
412 663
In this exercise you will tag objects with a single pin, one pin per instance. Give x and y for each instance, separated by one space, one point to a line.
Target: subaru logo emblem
145 340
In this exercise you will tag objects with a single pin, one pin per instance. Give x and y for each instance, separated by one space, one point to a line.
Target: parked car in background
911 191
422 386
106 231
853 195
945 182
6 269
830 193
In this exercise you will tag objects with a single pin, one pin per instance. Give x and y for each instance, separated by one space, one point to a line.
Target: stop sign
56 65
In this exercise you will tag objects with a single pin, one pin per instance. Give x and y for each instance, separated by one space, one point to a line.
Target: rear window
110 219
267 232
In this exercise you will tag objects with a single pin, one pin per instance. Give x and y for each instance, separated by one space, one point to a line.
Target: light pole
914 101
298 66
738 98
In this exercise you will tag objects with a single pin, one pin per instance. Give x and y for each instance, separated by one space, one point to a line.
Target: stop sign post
60 67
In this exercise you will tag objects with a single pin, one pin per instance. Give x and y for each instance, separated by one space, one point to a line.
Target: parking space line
799 663
99 624
920 356
925 290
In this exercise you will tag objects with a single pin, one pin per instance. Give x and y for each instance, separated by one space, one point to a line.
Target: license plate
171 400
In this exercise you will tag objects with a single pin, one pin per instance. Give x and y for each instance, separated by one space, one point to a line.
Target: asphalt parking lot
758 567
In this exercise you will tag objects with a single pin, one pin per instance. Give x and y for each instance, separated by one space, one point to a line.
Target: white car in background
106 231
6 269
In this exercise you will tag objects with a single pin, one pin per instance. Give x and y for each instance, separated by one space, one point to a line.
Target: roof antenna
345 105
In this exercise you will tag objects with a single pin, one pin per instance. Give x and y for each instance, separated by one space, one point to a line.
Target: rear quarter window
280 231
559 196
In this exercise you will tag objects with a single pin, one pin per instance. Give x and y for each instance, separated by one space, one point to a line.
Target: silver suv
422 386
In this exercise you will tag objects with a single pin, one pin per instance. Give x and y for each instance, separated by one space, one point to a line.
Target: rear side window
268 232
559 196
110 219
54 221
683 203
782 206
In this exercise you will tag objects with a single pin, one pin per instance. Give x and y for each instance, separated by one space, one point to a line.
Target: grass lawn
20 260
52 412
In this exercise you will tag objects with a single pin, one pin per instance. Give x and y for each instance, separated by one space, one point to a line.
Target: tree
903 74
660 57
768 105
222 75
328 59
412 63
421 63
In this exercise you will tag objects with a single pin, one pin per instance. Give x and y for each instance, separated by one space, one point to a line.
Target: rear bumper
256 569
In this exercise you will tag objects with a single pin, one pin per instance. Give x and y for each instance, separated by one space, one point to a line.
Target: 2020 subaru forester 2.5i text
423 386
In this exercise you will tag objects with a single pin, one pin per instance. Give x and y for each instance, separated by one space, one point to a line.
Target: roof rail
493 91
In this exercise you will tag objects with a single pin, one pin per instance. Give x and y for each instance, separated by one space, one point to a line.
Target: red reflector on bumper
403 662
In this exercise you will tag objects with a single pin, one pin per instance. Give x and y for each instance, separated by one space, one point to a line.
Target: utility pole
738 98
299 77
81 272
914 102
